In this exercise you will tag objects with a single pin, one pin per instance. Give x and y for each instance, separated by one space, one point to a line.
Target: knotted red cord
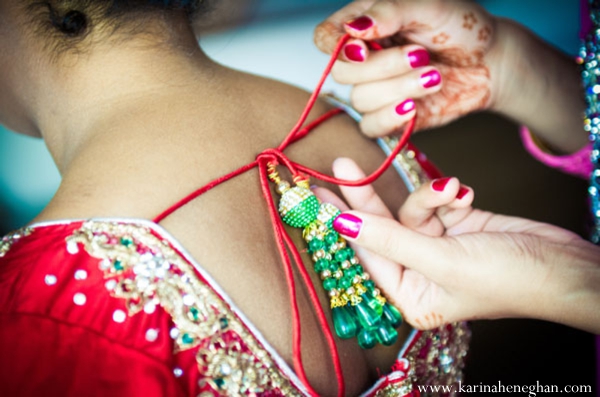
284 241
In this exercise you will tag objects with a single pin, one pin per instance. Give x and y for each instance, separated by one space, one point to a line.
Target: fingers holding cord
387 105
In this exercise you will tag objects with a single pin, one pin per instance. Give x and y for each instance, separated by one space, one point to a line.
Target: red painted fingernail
440 184
430 79
418 58
347 225
405 107
462 192
360 23
354 52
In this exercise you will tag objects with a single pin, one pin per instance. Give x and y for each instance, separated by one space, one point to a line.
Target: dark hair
68 22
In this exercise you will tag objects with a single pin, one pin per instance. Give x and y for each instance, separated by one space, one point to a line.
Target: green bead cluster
358 308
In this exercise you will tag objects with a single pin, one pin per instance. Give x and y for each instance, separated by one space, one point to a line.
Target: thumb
386 18
328 33
388 238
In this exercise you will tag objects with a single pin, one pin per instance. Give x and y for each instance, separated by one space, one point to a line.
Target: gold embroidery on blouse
11 238
145 271
438 357
399 389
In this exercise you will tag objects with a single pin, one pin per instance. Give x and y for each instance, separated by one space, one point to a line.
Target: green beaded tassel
358 308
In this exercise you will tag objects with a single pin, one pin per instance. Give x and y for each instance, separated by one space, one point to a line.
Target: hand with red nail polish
453 58
440 59
446 258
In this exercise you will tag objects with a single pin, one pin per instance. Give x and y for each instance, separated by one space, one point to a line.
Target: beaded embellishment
357 306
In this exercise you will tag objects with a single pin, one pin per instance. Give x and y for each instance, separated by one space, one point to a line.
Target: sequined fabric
438 357
589 58
431 364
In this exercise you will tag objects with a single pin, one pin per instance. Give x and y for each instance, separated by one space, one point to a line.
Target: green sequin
187 339
126 241
118 265
224 322
194 314
220 382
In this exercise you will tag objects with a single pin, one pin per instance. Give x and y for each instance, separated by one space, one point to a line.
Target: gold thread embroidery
398 389
438 357
7 241
145 271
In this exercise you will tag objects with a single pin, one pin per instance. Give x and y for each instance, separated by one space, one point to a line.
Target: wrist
517 61
501 59
573 294
537 86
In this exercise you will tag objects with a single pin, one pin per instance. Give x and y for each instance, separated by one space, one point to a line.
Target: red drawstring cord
284 241
374 175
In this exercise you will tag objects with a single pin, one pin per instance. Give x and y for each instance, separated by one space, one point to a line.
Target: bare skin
143 121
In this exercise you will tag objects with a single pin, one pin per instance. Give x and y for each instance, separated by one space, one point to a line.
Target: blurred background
274 38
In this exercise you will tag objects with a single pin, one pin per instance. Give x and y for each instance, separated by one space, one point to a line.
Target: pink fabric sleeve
577 164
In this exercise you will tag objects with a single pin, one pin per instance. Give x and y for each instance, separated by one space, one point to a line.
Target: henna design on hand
469 21
326 36
466 87
440 38
484 33
429 321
